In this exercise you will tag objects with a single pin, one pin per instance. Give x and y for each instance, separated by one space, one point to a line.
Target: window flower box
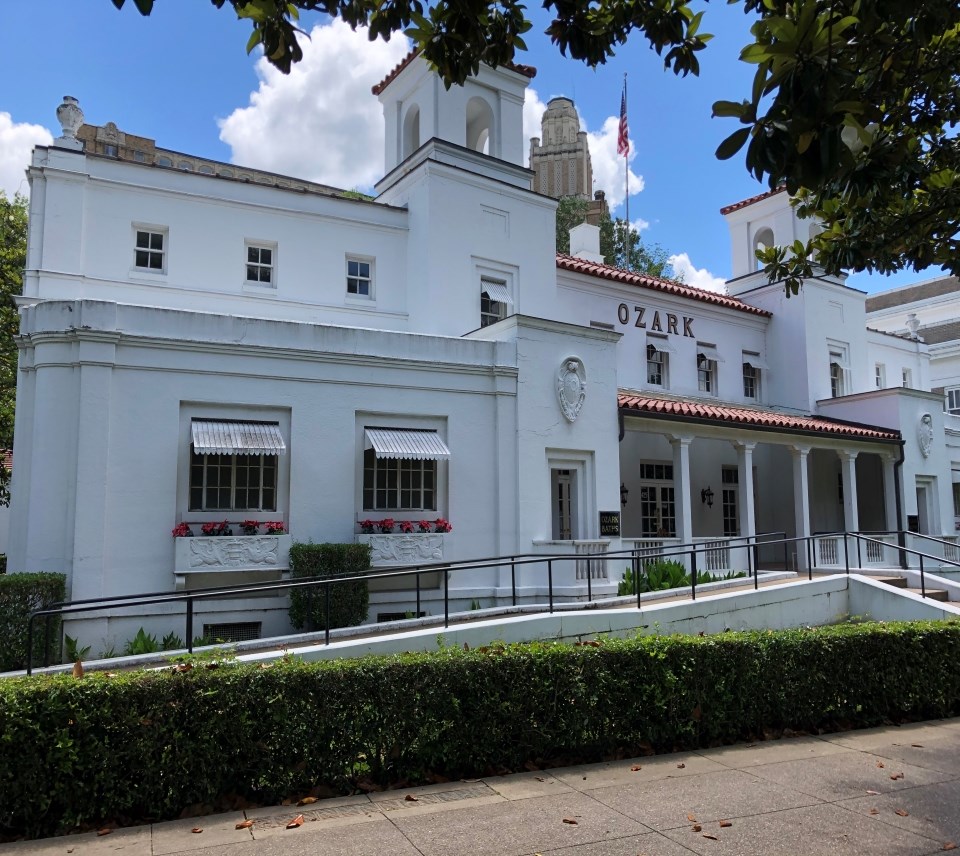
404 548
268 552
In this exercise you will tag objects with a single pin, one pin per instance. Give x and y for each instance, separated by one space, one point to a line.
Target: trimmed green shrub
147 744
348 600
21 594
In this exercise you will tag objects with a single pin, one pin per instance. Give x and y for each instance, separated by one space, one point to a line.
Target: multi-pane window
656 366
148 251
398 484
836 374
492 309
907 378
751 381
731 518
879 375
359 278
260 262
233 482
706 374
953 401
658 509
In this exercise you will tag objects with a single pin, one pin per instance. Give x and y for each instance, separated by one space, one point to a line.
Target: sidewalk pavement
881 791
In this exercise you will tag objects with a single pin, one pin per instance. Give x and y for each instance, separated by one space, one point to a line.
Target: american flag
623 137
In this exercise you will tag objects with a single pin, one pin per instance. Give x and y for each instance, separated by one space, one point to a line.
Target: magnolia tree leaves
852 105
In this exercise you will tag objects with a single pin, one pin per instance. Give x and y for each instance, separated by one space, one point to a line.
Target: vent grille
238 631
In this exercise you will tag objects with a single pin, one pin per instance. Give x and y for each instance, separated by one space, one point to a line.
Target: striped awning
660 344
408 444
710 352
236 438
496 291
756 361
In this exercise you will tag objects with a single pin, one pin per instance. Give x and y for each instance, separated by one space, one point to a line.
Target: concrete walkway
882 791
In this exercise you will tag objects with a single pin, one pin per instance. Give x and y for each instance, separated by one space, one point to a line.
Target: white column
748 520
801 501
848 468
681 487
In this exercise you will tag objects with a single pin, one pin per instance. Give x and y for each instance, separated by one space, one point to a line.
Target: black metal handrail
637 555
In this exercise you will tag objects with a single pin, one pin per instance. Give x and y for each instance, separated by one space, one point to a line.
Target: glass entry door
563 497
658 514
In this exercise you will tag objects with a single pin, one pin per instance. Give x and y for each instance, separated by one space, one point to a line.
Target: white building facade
197 347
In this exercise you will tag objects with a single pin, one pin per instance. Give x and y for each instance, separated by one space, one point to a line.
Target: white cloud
319 122
608 165
17 140
533 109
639 224
697 277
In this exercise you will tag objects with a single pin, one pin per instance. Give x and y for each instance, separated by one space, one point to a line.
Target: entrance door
563 494
658 516
923 509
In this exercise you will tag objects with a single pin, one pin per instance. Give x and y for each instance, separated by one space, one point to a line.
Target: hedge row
348 601
20 594
145 745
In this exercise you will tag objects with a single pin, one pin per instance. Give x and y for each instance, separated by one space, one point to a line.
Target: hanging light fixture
706 497
623 493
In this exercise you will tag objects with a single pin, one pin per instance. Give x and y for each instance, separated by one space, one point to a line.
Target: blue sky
182 76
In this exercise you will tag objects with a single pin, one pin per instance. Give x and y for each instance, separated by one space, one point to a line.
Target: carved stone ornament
70 117
571 387
221 552
403 549
925 434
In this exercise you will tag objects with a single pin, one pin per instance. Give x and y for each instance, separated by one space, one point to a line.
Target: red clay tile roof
745 202
642 280
525 70
747 417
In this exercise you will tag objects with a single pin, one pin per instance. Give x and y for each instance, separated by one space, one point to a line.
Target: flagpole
626 182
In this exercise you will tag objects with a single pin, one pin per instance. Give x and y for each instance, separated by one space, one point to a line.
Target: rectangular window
751 381
706 375
221 482
494 296
260 264
398 484
656 366
953 401
149 253
359 278
836 374
907 378
730 476
880 375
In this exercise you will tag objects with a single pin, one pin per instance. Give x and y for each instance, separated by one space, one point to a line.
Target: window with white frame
880 376
150 249
261 262
495 300
730 477
907 375
657 364
751 381
838 370
359 277
400 469
706 374
234 465
953 400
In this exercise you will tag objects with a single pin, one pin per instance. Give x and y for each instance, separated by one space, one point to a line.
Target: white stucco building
201 343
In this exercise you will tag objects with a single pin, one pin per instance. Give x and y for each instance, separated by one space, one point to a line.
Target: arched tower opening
761 240
411 131
480 136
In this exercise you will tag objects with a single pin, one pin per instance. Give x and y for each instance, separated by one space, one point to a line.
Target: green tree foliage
644 258
13 259
852 106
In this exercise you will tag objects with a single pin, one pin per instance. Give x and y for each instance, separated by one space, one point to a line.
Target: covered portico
694 471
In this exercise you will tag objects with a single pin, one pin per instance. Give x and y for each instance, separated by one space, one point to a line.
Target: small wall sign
609 524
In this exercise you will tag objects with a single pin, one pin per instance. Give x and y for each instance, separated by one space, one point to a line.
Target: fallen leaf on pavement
635 768
874 793
244 824
902 812
307 801
880 764
949 846
711 837
896 775
297 821
411 798
104 831
570 820
917 745
681 766
692 818
874 811
725 823
197 829
697 827
540 778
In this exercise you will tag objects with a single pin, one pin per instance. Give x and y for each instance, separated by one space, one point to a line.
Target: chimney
585 243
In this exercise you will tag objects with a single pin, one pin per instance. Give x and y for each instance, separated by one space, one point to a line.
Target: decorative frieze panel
225 553
404 549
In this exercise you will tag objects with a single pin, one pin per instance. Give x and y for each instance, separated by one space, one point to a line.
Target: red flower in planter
221 528
275 527
250 527
367 527
424 525
406 527
386 525
182 530
443 525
